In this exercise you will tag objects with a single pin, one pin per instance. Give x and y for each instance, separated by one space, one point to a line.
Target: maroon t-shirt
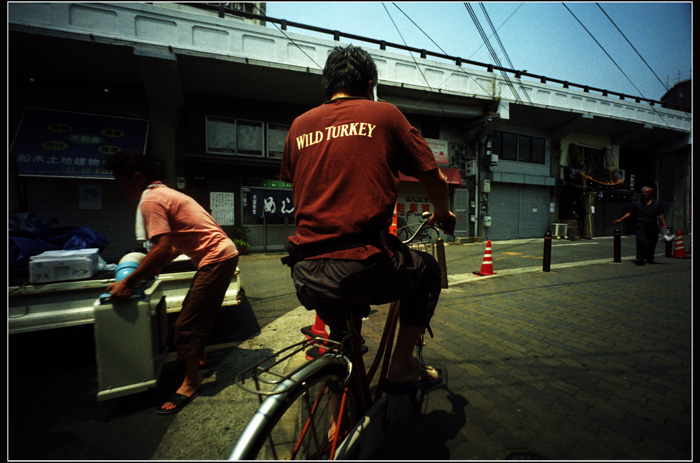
343 159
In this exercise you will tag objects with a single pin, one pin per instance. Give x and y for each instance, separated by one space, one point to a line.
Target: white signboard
222 207
439 148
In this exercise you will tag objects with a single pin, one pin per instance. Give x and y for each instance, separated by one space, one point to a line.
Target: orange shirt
192 230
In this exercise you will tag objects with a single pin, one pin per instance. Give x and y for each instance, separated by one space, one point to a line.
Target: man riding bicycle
343 159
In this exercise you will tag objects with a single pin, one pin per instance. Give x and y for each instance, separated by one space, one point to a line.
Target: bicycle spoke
313 425
339 423
309 420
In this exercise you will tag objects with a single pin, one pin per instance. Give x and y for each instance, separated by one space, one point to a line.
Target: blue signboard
53 143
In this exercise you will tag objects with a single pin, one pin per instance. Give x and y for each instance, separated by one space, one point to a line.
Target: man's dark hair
127 162
349 70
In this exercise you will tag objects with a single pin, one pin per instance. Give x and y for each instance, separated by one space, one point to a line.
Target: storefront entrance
268 214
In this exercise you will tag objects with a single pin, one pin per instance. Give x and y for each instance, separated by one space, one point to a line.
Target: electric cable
528 107
498 28
417 66
444 52
262 13
604 50
633 48
615 63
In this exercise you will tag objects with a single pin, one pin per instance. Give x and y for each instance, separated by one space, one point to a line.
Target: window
239 137
221 135
515 147
249 138
276 136
524 148
505 146
538 150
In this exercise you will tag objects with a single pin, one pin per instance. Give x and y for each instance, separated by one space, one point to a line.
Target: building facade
210 94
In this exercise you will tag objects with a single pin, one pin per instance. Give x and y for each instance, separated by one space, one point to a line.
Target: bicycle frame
382 356
336 353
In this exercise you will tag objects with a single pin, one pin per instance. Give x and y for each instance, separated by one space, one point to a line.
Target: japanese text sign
440 150
270 203
53 143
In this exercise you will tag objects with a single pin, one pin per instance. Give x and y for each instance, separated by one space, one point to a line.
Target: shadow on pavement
429 432
53 411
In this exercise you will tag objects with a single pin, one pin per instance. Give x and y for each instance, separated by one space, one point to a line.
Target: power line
604 50
414 62
440 48
528 108
493 53
495 34
281 30
505 53
499 27
614 62
383 45
638 54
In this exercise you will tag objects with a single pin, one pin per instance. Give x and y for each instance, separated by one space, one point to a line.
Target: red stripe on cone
318 330
679 250
487 265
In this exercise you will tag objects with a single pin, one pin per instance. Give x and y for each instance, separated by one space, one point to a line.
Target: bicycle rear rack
269 376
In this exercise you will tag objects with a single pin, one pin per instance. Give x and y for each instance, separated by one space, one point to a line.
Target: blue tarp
30 237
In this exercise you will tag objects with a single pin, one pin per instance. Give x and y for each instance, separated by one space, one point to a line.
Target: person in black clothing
646 227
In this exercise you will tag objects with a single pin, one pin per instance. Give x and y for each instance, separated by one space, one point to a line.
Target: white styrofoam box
76 264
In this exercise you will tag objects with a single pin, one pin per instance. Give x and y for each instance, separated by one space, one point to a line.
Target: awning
452 174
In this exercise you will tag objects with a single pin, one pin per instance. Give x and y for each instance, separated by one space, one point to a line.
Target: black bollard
547 259
617 246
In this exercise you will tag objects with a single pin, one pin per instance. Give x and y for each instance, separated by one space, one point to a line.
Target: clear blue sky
542 38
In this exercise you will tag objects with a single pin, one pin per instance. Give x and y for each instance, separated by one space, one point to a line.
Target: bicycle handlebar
426 218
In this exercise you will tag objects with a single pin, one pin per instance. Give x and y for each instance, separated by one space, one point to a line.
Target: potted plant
239 236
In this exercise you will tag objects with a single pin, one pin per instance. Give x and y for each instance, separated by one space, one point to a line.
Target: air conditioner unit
559 230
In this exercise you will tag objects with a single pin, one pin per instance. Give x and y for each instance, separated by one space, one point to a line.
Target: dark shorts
201 306
338 289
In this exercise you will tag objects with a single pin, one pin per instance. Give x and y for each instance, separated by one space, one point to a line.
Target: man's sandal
427 377
180 401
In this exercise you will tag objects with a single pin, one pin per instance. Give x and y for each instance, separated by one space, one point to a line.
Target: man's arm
621 218
162 252
438 192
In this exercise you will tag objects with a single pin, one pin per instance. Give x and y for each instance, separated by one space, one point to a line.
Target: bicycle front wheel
300 423
429 235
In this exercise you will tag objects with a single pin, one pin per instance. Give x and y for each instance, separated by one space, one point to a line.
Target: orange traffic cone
487 265
318 330
679 250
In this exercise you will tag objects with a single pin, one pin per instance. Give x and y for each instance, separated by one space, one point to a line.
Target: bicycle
428 236
324 409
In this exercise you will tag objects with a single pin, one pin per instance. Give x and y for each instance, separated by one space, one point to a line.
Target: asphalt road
53 412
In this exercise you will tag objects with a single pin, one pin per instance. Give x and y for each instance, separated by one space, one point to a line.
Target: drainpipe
477 202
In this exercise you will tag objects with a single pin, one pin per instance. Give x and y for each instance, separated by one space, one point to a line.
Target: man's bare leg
190 384
403 367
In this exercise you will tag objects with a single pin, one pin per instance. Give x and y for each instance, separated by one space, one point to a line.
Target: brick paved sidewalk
584 363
